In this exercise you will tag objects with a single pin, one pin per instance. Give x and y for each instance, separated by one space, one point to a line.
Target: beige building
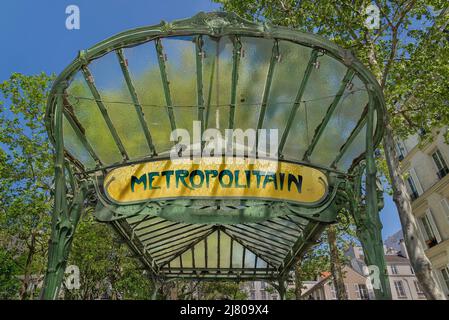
260 290
403 282
355 286
425 167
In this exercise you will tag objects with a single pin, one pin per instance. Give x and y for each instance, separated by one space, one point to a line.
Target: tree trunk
23 294
298 281
418 258
336 267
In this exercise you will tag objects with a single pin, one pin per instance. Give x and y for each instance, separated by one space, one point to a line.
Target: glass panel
86 110
253 70
186 259
358 146
344 119
356 149
199 255
181 72
250 259
261 264
237 253
144 69
287 78
114 92
323 84
212 250
75 147
225 250
217 76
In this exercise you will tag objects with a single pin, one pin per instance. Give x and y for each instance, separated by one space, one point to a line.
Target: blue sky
35 39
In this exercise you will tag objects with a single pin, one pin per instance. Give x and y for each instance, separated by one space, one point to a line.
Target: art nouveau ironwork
116 104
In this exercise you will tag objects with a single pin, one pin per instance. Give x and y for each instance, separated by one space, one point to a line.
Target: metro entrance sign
214 179
110 116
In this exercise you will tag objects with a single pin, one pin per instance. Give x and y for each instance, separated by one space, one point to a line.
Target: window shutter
416 181
445 206
422 232
433 225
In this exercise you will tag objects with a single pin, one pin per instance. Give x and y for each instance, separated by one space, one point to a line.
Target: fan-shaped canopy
123 97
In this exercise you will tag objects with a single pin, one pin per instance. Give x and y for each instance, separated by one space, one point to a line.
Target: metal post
367 219
281 288
64 218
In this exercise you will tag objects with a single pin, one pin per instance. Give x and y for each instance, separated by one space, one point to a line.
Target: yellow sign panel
211 178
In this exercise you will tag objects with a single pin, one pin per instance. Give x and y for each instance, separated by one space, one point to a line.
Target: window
430 232
333 291
394 269
413 190
400 148
418 288
442 169
361 291
263 295
445 273
399 286
262 285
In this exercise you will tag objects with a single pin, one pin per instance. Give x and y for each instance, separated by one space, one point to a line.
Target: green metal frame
281 249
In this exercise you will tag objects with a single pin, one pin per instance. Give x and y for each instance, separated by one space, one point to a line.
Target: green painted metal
268 242
266 92
236 55
365 210
351 138
90 82
79 133
291 118
330 111
209 95
65 217
199 52
132 91
165 83
370 230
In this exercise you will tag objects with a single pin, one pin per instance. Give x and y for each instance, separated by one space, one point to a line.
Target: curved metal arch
219 24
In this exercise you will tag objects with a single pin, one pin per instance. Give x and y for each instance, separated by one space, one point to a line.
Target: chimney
403 248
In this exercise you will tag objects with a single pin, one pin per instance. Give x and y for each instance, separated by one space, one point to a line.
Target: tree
336 264
406 52
107 269
26 187
9 283
25 174
311 266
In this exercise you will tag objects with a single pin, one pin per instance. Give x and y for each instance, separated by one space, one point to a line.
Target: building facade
424 165
403 282
355 286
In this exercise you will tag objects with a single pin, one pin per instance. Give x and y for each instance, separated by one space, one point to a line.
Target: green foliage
408 53
106 268
9 283
25 173
26 187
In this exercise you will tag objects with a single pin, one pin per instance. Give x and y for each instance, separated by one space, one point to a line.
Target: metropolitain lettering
196 179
